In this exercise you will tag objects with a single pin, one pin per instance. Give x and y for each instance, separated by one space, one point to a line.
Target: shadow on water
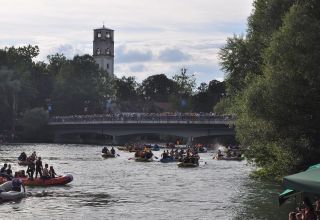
259 200
80 198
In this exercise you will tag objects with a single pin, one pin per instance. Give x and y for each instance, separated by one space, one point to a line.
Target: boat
123 148
216 157
168 160
183 164
57 181
203 150
106 155
143 159
24 162
6 193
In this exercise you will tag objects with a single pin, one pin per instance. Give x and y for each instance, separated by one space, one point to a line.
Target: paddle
118 155
156 157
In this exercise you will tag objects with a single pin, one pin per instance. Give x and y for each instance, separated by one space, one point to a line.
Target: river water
120 188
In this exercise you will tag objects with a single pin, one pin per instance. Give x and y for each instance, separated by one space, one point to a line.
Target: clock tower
103 48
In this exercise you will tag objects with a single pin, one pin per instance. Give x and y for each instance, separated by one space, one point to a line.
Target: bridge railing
142 119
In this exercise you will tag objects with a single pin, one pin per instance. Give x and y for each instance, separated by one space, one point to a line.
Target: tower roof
103 28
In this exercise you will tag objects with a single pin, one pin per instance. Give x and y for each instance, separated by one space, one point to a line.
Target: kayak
6 194
168 160
58 181
108 155
183 164
24 162
142 159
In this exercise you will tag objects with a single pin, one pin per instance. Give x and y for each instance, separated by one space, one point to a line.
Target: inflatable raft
168 160
183 164
6 193
228 158
108 155
24 162
58 181
143 159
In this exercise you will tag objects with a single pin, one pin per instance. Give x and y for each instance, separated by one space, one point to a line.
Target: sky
151 36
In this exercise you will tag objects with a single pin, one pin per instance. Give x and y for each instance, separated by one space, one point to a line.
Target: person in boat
105 150
52 173
33 156
164 155
181 152
45 172
113 152
9 170
22 157
30 170
171 153
16 184
219 153
39 167
4 168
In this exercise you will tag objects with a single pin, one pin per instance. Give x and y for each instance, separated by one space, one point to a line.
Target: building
103 48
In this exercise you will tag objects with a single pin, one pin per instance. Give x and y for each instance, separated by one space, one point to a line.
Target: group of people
189 156
145 153
35 167
6 171
306 211
105 150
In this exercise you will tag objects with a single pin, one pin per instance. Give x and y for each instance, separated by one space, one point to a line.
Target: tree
126 88
278 116
33 122
158 88
186 82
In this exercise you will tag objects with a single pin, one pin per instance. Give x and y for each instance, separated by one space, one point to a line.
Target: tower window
98 51
108 35
108 51
99 35
107 65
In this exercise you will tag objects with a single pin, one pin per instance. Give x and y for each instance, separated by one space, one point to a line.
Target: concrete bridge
120 128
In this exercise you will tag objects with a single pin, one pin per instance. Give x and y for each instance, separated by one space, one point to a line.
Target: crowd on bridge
133 116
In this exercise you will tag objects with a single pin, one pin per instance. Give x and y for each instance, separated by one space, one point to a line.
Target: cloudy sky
151 36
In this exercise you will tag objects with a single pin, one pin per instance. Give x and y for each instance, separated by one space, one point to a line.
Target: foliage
158 88
276 102
33 122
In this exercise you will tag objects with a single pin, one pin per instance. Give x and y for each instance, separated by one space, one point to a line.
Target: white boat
6 193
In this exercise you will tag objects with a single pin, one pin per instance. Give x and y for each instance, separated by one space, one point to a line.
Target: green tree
158 88
34 122
278 117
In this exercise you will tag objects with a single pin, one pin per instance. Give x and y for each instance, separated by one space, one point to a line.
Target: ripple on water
119 188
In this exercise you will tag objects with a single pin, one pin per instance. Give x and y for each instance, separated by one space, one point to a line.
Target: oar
156 157
118 155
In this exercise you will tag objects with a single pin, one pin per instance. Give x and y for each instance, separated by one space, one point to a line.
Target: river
120 188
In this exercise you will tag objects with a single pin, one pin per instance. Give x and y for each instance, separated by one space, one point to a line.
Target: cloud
137 68
124 55
173 55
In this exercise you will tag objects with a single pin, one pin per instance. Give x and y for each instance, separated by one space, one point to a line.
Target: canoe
168 160
58 181
6 194
24 162
108 155
142 159
182 164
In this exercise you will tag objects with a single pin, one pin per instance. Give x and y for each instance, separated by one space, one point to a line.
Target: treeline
29 90
273 85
